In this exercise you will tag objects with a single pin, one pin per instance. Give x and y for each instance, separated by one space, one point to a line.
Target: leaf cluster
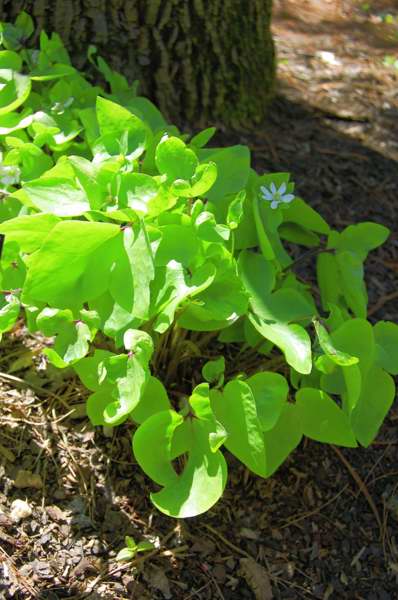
163 279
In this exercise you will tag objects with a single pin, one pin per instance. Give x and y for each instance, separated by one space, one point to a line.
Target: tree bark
201 61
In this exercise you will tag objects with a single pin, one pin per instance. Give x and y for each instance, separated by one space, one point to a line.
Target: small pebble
20 510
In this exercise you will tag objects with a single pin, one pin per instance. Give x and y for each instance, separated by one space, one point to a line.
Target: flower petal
273 188
287 198
267 195
282 188
274 204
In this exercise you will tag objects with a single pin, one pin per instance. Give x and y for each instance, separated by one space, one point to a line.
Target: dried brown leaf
257 578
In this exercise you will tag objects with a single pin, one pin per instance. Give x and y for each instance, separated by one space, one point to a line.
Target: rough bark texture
201 61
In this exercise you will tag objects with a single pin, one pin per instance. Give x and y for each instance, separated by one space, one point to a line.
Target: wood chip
55 513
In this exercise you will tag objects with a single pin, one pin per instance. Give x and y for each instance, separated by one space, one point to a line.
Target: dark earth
325 526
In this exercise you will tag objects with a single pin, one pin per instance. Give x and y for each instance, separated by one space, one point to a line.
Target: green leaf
208 230
353 385
71 345
9 312
202 180
145 546
14 90
130 542
24 23
126 554
11 122
298 235
10 60
175 287
258 277
356 338
386 337
200 404
203 137
329 280
58 196
360 238
322 420
147 112
270 391
337 356
235 210
52 320
115 320
236 409
293 340
53 71
283 438
73 264
130 374
153 400
213 371
29 232
88 369
115 122
117 82
157 432
174 159
34 162
13 270
200 485
233 167
87 175
264 241
218 305
178 243
352 282
97 403
136 339
283 306
300 213
138 191
133 273
377 396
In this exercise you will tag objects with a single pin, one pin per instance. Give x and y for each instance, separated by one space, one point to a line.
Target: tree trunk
201 61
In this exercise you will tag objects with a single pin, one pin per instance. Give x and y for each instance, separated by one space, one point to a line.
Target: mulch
325 526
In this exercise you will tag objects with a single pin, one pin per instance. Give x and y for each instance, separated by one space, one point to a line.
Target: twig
196 592
381 302
22 581
308 254
315 511
37 388
228 543
213 580
362 487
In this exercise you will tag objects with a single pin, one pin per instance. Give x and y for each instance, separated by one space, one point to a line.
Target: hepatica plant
159 270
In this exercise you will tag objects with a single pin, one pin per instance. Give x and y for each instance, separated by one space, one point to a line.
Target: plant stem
263 240
303 257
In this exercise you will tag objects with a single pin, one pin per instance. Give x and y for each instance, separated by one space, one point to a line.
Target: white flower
9 174
276 196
